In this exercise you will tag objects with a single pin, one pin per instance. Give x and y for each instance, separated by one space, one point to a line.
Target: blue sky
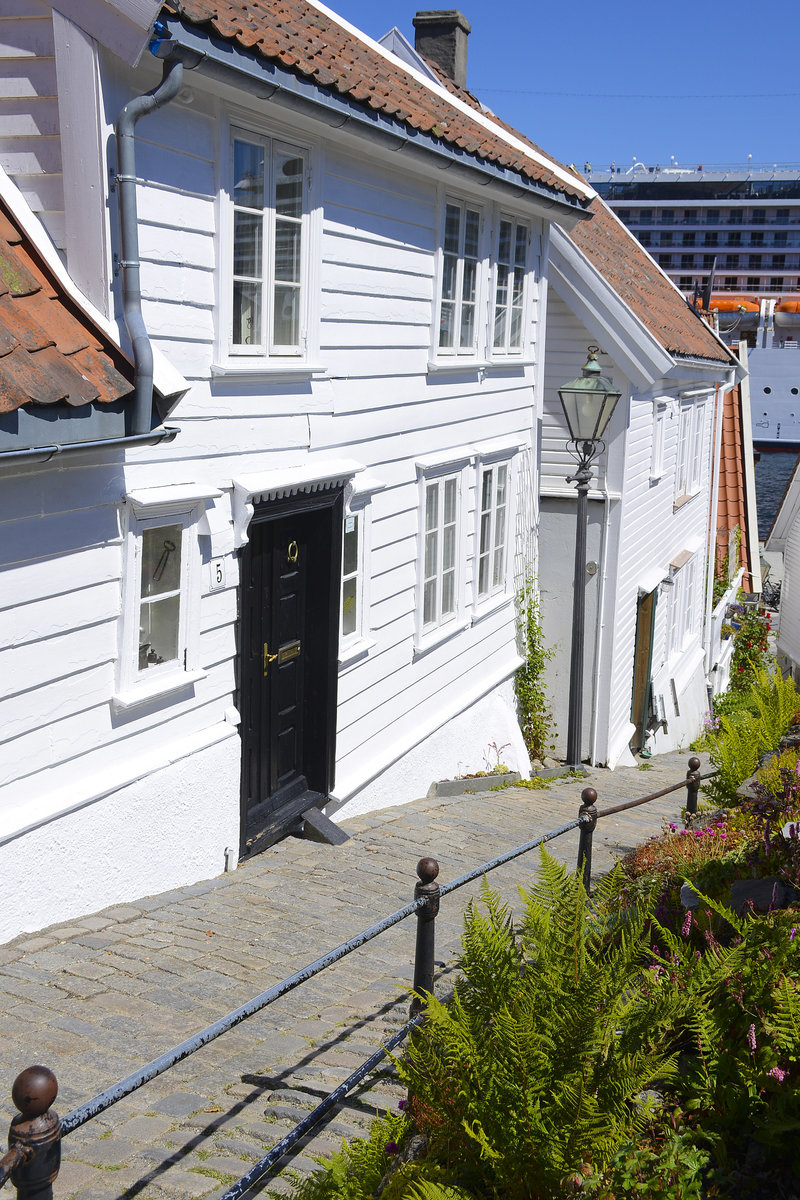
703 82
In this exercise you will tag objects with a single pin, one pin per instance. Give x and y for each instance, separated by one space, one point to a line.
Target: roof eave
587 292
232 65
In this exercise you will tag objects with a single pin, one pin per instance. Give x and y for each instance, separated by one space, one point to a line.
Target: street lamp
588 403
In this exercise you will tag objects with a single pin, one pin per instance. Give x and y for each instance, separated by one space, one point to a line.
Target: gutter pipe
154 437
140 106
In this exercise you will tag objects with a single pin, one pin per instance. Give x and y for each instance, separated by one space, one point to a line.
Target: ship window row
736 283
709 216
777 241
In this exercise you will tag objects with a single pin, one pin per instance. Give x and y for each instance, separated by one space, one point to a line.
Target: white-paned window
691 429
493 527
159 631
685 600
352 574
659 433
696 466
269 201
354 635
509 292
441 551
460 282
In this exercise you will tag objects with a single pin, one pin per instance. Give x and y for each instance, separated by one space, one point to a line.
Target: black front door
289 638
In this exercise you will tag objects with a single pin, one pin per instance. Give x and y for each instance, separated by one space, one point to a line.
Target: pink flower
687 923
778 1074
751 1037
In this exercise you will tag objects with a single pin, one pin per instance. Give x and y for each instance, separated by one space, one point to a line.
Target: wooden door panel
291 574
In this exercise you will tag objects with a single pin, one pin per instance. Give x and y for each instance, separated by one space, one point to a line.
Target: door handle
268 658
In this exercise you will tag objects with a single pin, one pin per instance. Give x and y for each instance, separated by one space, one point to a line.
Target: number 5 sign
217 569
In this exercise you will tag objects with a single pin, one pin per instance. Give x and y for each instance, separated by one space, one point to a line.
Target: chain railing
33 1159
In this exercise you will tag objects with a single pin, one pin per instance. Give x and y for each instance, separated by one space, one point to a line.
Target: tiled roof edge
542 160
167 380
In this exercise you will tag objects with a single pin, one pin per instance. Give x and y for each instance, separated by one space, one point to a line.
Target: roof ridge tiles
305 32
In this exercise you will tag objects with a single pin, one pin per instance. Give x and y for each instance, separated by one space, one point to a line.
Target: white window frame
505 349
689 461
358 506
444 624
659 438
459 350
265 357
496 593
153 509
683 608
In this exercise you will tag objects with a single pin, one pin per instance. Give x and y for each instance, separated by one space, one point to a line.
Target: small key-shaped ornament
162 562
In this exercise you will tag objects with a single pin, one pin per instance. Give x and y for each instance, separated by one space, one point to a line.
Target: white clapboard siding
789 631
30 147
374 401
567 342
653 534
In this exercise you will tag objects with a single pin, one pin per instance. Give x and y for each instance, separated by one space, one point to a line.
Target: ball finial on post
36 1132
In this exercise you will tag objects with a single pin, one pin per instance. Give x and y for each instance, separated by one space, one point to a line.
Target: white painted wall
643 533
30 146
137 841
404 718
788 642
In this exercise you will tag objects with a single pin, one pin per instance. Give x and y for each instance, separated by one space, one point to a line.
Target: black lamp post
588 403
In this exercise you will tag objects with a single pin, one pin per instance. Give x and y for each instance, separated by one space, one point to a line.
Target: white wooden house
652 527
290 580
784 538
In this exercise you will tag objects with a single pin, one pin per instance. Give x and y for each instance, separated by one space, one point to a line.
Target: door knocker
292 553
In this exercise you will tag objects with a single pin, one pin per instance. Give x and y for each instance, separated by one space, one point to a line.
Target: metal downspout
140 106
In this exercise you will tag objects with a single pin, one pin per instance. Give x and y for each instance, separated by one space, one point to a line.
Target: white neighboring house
303 592
784 538
651 508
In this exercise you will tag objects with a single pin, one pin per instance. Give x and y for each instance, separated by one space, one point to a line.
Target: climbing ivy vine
535 713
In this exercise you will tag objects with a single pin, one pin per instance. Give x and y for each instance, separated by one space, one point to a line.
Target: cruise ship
736 227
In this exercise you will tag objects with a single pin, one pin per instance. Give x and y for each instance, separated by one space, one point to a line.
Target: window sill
492 604
251 370
437 637
353 652
481 366
681 500
154 689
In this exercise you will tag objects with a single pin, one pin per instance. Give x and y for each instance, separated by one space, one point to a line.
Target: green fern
534 1067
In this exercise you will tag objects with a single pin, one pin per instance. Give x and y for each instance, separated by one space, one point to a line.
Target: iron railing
33 1159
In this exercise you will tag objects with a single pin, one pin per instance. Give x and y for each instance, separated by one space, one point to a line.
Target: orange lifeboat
735 311
787 315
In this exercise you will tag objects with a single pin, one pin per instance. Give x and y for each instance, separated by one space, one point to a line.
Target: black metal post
427 870
692 784
37 1130
575 717
587 815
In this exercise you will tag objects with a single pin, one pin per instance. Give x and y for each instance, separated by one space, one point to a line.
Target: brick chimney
442 37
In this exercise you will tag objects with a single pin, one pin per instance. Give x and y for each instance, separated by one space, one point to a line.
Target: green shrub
750 648
531 1073
742 1063
747 732
667 1164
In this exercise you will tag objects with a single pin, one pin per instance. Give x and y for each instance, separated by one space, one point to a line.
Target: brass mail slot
288 652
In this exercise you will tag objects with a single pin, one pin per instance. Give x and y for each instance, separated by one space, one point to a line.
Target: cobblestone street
101 996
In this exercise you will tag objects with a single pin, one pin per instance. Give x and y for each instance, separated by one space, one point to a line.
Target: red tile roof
300 37
732 501
636 279
49 350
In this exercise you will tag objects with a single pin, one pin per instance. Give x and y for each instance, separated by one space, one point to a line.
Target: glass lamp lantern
588 403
